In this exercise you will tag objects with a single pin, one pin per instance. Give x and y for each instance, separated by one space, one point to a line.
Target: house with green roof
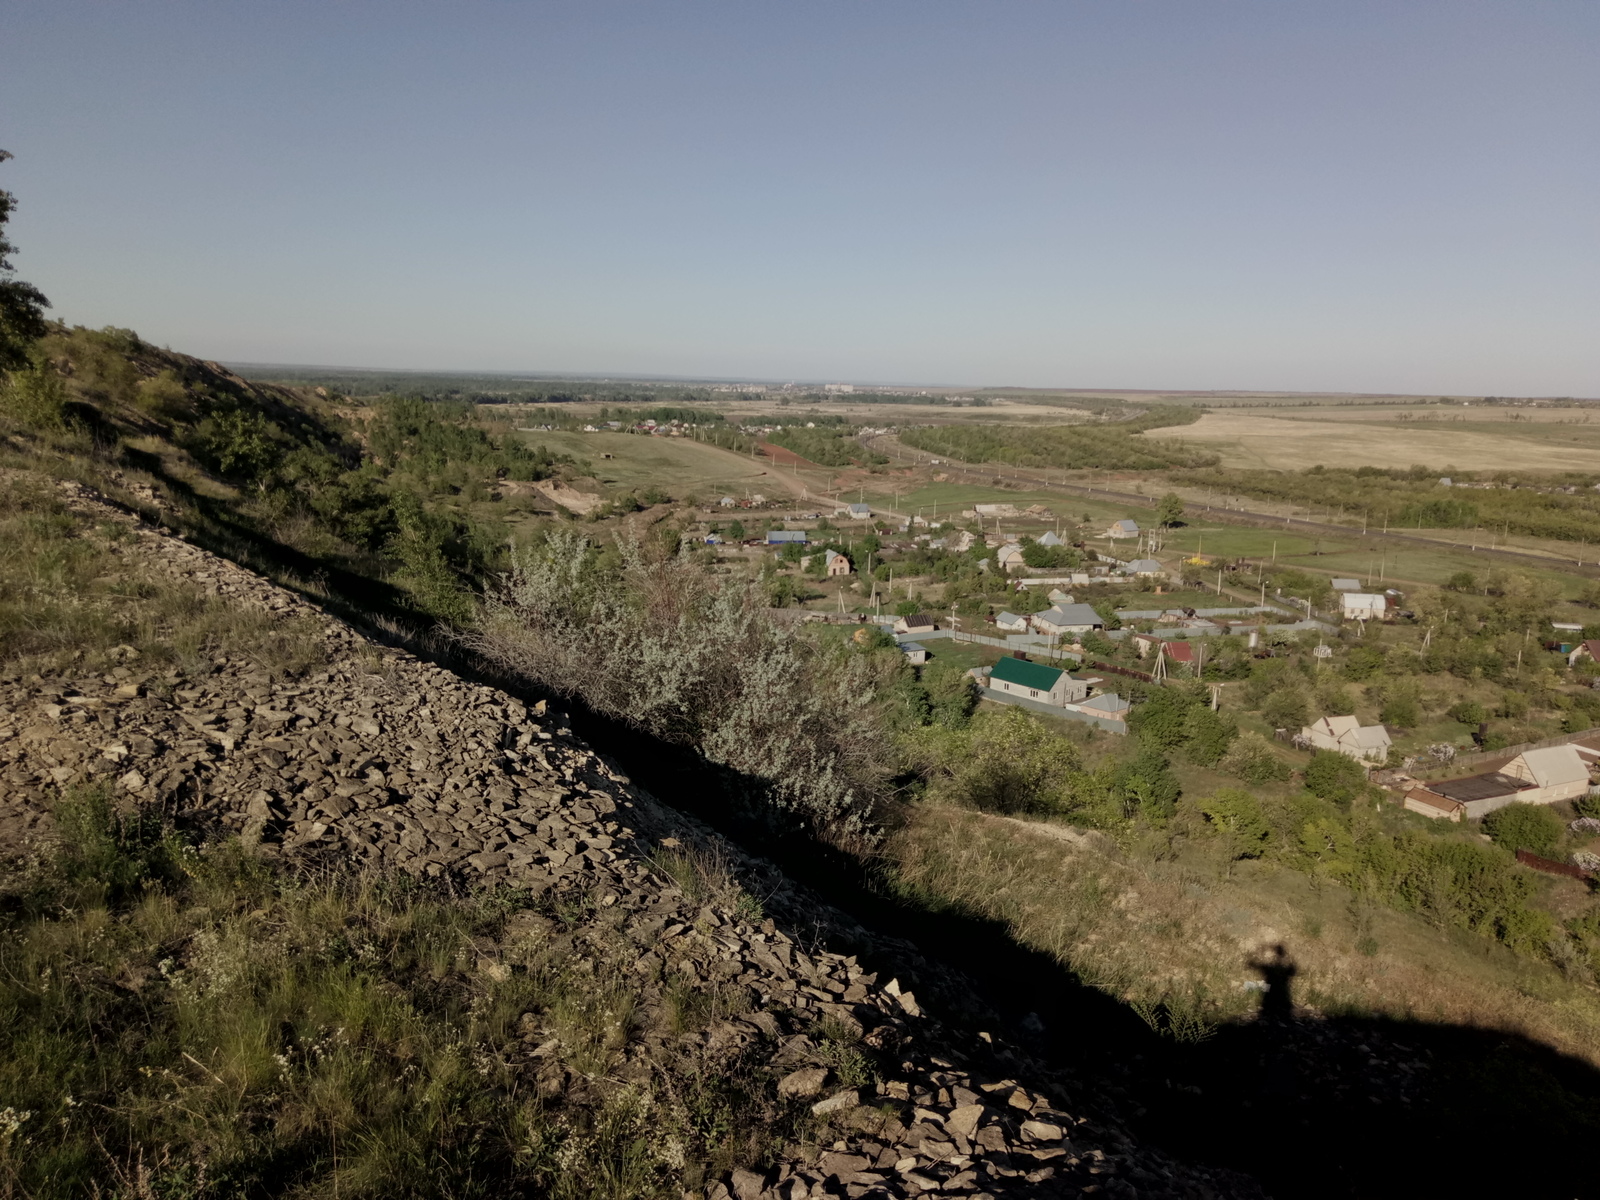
1036 681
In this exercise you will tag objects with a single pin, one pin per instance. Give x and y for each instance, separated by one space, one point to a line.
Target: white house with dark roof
1011 623
1584 650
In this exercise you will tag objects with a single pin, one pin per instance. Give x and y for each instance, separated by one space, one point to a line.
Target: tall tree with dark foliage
21 304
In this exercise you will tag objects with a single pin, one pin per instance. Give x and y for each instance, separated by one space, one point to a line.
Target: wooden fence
1550 866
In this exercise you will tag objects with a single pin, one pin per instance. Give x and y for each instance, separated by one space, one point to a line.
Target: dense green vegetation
1112 445
405 498
1567 508
826 446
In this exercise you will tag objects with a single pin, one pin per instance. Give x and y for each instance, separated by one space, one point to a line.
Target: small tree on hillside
1253 760
1524 827
1335 777
1169 510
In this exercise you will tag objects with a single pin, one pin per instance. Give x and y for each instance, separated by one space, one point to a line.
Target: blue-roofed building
786 537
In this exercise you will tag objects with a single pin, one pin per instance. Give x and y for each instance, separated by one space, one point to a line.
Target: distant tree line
826 446
1414 498
1112 445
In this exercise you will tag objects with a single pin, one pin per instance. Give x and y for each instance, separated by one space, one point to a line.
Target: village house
1057 596
1036 681
1432 804
1176 651
1011 623
1009 557
1068 618
786 537
858 511
917 623
835 564
1107 707
1474 796
1586 651
1556 772
1125 528
1145 568
1347 585
1047 538
1347 736
916 653
1181 653
1364 606
727 502
959 542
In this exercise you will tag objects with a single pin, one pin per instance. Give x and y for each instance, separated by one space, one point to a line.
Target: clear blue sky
1342 195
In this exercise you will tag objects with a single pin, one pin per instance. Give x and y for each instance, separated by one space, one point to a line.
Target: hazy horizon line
637 377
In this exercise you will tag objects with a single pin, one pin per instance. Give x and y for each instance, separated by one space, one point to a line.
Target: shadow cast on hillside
1335 1107
349 593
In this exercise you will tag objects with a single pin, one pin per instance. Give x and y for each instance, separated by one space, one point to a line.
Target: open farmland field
676 465
1237 541
958 496
1408 566
1466 417
1281 442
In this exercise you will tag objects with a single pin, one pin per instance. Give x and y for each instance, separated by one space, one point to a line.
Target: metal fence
1032 647
1483 756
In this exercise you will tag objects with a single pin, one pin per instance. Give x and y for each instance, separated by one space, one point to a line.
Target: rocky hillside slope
371 760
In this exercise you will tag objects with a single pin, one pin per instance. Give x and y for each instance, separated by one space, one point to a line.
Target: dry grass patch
72 590
1246 439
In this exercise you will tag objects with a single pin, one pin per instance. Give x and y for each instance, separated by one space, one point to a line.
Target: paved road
887 444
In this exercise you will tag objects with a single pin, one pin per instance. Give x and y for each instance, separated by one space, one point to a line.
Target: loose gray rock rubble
381 760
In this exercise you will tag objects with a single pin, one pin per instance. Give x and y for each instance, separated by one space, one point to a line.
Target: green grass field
1424 566
968 654
951 498
1234 541
675 464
